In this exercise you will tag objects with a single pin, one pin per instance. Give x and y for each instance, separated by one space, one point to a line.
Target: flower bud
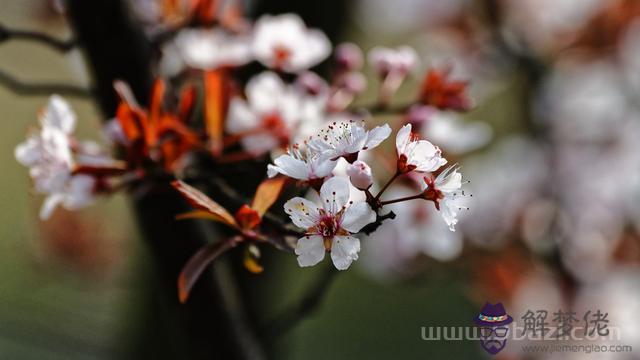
312 84
360 174
354 82
348 57
401 60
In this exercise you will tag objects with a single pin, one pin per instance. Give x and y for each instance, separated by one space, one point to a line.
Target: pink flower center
274 124
281 55
328 226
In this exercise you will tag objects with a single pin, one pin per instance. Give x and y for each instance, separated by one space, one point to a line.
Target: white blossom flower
302 163
210 49
360 175
416 154
449 130
329 227
274 114
47 151
283 42
347 138
77 192
446 192
48 155
401 60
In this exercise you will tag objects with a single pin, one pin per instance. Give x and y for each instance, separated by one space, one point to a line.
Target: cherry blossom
47 153
392 66
347 138
274 114
77 192
329 227
302 163
446 192
283 42
209 49
387 60
415 154
449 130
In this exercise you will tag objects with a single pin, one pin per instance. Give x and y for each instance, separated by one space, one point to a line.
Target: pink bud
360 174
312 84
349 57
354 82
401 60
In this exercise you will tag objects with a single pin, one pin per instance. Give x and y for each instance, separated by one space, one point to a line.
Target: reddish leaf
437 90
247 218
112 169
201 201
196 265
187 101
252 265
215 106
267 193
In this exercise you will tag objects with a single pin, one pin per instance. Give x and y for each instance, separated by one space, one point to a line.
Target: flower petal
302 212
334 194
240 118
50 203
291 167
377 135
59 114
344 251
357 216
310 250
402 139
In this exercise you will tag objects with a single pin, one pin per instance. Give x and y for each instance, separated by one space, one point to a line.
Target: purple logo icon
493 321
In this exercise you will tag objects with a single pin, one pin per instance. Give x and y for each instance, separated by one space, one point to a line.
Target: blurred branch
307 305
40 89
44 39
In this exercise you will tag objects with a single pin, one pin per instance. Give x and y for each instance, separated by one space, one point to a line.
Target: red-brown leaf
267 193
196 265
201 201
215 107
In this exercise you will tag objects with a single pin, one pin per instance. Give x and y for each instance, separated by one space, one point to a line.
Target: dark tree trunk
211 325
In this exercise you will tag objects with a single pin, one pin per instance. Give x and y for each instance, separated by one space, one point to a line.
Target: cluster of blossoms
304 131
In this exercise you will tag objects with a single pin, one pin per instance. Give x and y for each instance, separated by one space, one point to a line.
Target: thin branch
40 89
57 44
307 305
376 224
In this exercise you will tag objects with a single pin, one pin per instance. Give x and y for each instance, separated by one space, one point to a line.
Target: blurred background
551 150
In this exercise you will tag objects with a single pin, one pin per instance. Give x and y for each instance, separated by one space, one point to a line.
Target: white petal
28 153
427 157
449 211
451 183
264 92
334 194
50 203
402 139
377 135
259 144
344 251
79 192
59 115
310 250
291 167
240 118
322 167
357 216
302 212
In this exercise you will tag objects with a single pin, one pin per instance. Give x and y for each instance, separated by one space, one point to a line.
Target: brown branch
42 38
370 228
43 89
